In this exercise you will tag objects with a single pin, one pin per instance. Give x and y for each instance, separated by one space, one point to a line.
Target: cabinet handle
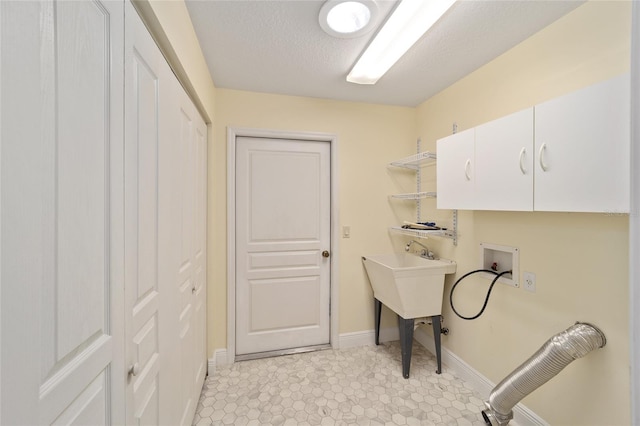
466 169
543 166
523 151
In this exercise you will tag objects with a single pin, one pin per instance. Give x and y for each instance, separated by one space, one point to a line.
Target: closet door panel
200 255
79 170
149 232
61 343
143 290
186 284
166 216
192 202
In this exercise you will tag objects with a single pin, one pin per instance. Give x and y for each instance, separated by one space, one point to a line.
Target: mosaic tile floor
357 386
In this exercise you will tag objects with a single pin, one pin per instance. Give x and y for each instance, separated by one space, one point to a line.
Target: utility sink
408 284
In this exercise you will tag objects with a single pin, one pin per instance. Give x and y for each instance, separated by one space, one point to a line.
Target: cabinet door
455 171
582 147
504 163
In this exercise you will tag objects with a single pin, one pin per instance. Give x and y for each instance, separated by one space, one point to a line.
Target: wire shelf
419 233
416 161
414 195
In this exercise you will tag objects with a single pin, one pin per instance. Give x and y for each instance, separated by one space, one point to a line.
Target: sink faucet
425 252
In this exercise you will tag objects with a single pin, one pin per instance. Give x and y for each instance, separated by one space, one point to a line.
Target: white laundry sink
408 284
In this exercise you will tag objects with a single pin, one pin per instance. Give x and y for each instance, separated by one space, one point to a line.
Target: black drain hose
486 300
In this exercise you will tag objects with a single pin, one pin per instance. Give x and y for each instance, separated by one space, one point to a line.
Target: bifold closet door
149 216
93 249
190 171
165 214
61 213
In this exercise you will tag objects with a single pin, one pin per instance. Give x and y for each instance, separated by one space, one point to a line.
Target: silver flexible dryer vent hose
558 352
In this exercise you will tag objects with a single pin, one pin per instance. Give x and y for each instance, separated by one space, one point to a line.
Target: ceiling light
348 18
408 22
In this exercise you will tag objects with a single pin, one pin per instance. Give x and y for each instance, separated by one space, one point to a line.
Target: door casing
232 134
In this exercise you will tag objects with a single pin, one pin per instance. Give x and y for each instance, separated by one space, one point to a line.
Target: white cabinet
489 167
568 154
455 171
504 163
582 150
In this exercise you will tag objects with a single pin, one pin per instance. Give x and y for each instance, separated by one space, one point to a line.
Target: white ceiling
277 46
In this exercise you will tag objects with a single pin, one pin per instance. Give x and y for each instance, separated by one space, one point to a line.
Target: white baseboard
366 338
219 358
522 415
211 366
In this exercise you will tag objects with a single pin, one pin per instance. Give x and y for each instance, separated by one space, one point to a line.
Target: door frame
232 134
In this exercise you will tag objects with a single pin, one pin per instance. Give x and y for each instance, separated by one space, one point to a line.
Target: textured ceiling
277 46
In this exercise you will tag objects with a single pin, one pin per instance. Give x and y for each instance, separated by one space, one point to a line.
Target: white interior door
282 229
62 239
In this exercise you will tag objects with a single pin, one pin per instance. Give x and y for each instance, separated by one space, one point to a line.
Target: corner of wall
170 25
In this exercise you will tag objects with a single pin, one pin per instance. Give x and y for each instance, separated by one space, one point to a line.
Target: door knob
325 253
134 369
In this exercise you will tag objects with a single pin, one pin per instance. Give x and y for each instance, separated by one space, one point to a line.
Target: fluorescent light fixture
348 18
408 22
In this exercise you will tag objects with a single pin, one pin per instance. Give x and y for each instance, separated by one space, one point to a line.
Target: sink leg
378 312
406 343
435 321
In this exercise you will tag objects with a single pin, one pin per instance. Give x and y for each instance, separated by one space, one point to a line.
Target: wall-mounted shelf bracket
455 228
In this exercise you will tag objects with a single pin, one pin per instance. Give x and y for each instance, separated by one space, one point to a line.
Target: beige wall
580 260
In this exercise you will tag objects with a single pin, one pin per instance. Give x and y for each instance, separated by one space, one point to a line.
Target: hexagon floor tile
356 386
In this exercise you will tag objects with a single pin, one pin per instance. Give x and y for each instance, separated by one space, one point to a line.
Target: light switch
346 231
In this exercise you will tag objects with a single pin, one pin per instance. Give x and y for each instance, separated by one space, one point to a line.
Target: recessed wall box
500 258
